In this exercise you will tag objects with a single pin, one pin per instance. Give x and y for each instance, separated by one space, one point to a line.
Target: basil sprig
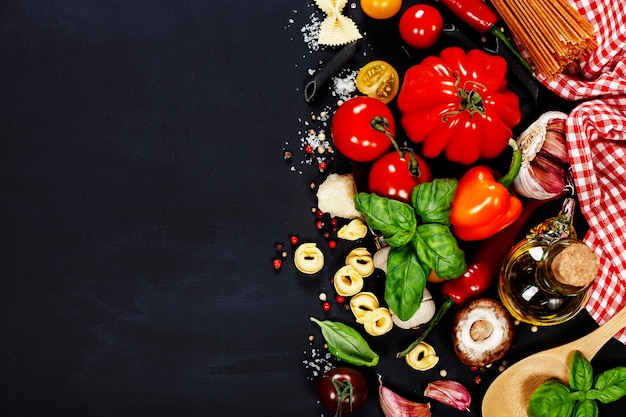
420 239
346 343
555 399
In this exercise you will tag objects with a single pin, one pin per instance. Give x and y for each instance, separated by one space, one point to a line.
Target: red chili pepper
483 206
482 18
475 13
482 270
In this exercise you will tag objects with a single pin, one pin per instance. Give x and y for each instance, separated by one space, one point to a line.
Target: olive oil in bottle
545 278
546 284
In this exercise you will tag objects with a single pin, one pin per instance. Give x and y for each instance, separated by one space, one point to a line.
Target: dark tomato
342 390
391 176
352 132
420 26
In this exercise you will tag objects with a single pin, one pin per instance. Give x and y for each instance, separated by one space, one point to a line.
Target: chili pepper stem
447 304
516 164
498 34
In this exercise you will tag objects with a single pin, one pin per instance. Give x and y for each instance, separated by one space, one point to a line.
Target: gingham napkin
596 139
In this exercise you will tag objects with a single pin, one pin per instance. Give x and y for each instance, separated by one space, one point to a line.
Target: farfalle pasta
336 29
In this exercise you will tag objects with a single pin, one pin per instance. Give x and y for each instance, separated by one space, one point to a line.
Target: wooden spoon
510 393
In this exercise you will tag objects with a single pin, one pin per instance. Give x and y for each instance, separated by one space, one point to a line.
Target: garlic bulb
424 313
544 173
394 405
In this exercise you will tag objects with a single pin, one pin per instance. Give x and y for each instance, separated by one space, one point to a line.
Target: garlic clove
380 258
394 405
449 392
424 313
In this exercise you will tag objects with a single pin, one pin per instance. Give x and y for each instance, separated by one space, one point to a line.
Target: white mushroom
482 332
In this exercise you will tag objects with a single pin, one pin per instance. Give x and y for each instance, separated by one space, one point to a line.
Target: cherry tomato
352 131
378 79
381 9
390 176
420 26
342 390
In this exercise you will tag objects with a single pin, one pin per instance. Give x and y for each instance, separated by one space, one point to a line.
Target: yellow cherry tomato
378 79
381 9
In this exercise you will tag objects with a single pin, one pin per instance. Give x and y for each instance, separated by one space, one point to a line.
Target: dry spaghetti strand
554 33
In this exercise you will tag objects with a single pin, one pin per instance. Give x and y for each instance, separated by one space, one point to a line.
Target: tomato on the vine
378 79
361 128
395 176
381 9
420 26
342 390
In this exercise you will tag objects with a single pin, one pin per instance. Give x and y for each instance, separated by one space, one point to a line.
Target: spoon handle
590 345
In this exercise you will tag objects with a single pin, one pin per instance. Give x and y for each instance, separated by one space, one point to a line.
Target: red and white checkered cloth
596 139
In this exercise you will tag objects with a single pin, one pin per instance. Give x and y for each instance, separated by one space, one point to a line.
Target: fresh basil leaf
437 248
405 283
586 408
394 219
551 399
433 200
580 372
611 385
346 343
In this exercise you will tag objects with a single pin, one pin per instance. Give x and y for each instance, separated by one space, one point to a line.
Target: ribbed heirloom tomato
395 176
361 129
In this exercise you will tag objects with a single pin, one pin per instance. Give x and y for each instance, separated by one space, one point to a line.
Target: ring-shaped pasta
362 261
378 322
422 357
363 303
308 258
347 281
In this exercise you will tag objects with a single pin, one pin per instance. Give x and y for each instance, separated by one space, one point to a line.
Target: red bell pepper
459 104
483 206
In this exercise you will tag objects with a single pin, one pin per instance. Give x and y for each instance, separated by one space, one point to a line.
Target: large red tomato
361 127
394 176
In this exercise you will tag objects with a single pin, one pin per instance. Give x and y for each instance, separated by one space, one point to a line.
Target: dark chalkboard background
143 190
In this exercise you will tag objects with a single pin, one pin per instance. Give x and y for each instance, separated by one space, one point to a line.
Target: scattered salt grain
344 84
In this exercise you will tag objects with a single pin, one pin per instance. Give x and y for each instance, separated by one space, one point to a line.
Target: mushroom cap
482 332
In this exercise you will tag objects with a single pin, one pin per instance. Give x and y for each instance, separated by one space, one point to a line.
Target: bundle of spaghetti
553 32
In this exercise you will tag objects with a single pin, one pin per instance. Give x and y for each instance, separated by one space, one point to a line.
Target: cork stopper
576 265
